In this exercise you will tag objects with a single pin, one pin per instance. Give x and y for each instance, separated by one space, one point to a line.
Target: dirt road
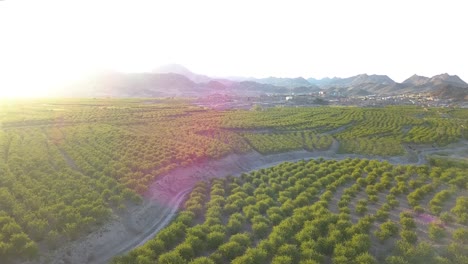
167 214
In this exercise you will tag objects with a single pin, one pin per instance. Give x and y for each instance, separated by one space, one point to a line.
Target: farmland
349 211
68 167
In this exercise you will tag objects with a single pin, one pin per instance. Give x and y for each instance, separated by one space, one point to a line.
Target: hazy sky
45 43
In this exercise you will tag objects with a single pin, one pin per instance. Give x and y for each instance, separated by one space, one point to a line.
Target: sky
44 44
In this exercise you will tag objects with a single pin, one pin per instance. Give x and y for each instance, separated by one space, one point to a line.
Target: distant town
220 101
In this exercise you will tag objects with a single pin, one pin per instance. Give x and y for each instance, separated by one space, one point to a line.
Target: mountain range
175 80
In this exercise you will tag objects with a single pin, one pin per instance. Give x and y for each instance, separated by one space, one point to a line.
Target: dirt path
168 213
456 150
165 195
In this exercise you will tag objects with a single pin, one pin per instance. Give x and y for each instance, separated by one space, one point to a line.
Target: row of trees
379 131
267 143
44 199
66 166
287 214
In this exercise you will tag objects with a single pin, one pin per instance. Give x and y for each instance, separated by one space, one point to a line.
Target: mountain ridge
176 80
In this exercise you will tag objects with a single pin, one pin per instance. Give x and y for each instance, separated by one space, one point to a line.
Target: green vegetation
372 131
66 166
299 213
267 143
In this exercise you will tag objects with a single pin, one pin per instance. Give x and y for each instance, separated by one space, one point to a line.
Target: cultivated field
75 171
320 211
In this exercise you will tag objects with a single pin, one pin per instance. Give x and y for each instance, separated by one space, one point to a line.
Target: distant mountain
133 85
443 85
176 80
305 89
416 80
440 79
363 84
448 79
323 81
358 80
377 79
215 86
164 85
285 82
179 69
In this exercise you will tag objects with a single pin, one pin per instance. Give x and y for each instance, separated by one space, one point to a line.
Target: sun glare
45 43
233 131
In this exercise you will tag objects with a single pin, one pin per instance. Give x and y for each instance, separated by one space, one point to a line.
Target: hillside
451 92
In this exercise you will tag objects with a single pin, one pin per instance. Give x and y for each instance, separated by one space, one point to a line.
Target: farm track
166 194
167 214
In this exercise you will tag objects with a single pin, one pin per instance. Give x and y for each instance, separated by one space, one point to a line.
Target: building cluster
322 98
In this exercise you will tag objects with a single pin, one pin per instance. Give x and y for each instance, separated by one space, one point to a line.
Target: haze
44 44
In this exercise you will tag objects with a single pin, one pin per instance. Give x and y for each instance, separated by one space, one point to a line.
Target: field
351 211
69 166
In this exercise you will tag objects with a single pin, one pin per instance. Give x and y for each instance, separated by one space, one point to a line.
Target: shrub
386 230
171 257
215 239
436 232
461 235
231 249
409 236
260 229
